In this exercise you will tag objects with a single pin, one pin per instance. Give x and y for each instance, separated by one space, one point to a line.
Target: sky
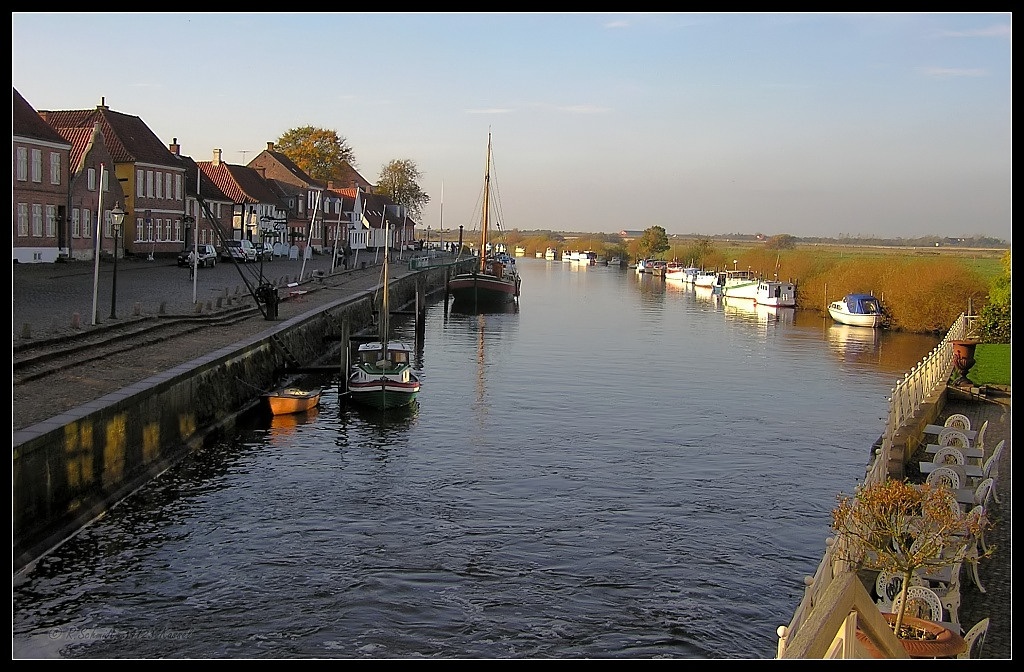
808 124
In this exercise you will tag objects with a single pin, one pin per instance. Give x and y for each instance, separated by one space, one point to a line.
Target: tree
895 526
320 152
653 242
783 241
995 318
399 180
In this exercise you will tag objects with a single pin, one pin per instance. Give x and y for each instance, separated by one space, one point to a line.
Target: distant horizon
894 125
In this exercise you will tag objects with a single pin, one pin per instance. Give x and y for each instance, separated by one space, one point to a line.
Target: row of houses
72 168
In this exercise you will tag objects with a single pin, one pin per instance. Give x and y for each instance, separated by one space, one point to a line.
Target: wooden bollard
76 321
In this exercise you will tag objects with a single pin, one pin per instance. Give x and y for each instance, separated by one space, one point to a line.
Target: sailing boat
495 283
382 376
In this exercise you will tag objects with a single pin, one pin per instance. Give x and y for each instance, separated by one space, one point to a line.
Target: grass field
992 365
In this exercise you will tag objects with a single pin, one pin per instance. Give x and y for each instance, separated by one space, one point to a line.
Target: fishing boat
858 310
495 282
292 400
549 254
705 278
382 376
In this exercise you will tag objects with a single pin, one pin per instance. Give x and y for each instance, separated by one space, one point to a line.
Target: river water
623 468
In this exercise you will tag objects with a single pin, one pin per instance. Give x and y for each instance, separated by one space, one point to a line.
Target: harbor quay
85 437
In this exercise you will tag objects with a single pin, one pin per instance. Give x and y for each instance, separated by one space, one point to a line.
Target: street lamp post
117 216
190 221
734 262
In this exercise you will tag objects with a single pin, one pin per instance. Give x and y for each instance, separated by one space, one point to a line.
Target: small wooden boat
292 400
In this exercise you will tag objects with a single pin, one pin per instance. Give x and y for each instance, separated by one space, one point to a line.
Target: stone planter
963 360
946 644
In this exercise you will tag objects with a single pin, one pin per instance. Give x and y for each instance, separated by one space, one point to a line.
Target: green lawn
992 364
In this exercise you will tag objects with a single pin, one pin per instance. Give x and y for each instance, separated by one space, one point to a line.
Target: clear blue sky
892 125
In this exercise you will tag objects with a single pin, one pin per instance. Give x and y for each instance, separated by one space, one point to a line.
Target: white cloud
489 110
1000 30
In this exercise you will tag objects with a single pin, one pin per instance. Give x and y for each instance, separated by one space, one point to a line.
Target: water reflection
750 311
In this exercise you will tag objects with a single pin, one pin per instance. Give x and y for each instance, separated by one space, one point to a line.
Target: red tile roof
241 184
128 138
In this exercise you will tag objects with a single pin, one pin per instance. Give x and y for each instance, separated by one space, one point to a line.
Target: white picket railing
907 398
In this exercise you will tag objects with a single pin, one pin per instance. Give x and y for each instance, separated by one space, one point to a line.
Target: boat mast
385 309
487 193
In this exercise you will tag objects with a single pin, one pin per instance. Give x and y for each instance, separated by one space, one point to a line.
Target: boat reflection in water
749 311
706 295
855 344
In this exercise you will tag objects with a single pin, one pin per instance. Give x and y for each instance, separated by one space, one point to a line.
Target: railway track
38 360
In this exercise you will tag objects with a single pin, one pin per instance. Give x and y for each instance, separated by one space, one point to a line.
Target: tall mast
385 310
487 194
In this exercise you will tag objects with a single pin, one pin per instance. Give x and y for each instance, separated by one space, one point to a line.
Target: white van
241 250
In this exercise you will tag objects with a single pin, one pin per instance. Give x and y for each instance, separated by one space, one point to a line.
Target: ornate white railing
907 397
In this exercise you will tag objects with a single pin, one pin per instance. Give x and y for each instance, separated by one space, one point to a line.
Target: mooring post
346 346
421 307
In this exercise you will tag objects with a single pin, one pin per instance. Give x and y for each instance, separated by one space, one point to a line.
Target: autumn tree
320 152
783 241
653 242
399 181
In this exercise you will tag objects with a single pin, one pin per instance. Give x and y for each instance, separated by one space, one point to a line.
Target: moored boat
495 282
736 284
292 400
705 278
549 254
382 376
858 310
776 293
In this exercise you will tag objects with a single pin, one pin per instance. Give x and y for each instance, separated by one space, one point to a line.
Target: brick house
151 177
252 198
209 230
40 175
91 167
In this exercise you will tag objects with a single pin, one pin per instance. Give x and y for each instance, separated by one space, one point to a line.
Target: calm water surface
624 468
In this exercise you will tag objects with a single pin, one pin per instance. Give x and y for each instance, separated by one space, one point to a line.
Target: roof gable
240 184
128 138
26 122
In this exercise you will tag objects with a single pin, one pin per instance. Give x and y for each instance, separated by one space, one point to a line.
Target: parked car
207 256
264 251
241 250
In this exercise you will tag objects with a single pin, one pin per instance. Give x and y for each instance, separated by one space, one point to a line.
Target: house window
86 223
159 186
37 165
37 220
149 230
90 179
140 184
22 164
149 183
177 187
23 219
106 181
54 168
107 229
140 229
51 220
167 184
76 224
177 230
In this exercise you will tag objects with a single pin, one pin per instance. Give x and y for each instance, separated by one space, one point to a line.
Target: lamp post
734 262
265 222
190 221
117 216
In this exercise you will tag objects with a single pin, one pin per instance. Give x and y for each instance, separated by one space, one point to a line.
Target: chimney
330 184
174 147
103 104
216 157
270 146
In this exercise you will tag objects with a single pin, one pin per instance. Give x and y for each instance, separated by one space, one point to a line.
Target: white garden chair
922 602
951 436
945 476
975 639
958 421
949 455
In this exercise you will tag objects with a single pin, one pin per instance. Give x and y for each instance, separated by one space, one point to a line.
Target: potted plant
896 526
